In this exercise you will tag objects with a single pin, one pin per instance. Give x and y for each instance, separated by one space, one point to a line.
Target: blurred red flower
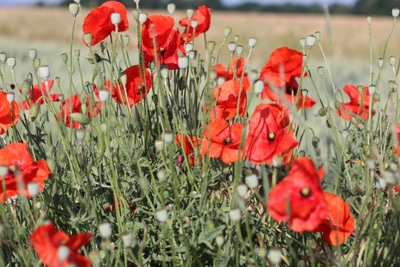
21 170
227 97
298 198
203 17
280 73
339 224
47 240
36 96
397 141
268 135
358 105
167 41
73 105
222 140
98 21
9 114
235 69
188 145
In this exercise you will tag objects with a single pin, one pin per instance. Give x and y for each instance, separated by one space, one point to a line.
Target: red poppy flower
167 41
47 240
268 135
222 141
281 71
298 198
36 96
112 207
358 105
9 114
203 17
72 105
339 224
98 21
227 97
188 145
21 170
236 68
396 145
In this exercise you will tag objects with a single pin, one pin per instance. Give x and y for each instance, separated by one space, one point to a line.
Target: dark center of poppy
140 90
162 51
271 136
227 141
305 192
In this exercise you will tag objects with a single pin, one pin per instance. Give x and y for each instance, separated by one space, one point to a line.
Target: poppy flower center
140 90
305 192
227 141
271 136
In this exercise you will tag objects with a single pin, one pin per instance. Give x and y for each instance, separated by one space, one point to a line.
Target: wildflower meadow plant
173 157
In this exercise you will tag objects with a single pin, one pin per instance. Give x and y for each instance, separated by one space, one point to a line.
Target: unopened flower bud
235 215
161 175
77 52
189 13
32 53
64 57
171 8
11 62
210 46
26 87
220 240
115 18
63 253
44 72
227 31
162 215
142 18
79 118
105 230
87 37
74 9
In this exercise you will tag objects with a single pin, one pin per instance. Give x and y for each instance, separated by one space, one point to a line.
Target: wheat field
345 39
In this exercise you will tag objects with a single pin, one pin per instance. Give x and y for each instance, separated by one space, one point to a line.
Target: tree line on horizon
361 7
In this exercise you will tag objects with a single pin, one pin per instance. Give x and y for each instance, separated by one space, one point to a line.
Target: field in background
345 39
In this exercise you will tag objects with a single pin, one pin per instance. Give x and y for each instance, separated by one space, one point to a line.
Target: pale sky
227 2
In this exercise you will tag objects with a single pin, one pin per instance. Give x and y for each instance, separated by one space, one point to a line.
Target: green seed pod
26 87
79 118
33 112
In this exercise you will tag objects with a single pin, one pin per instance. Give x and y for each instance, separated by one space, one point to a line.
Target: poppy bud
395 12
127 238
192 54
315 141
337 104
127 39
189 13
36 63
321 112
183 62
159 145
210 46
235 215
171 8
63 253
227 31
33 188
64 57
376 97
11 62
3 57
142 18
251 181
317 35
381 61
392 61
161 175
33 112
252 42
302 42
275 255
220 240
44 72
80 134
10 97
242 190
194 24
162 215
189 47
231 46
104 95
115 18
87 37
168 137
79 118
77 53
32 53
105 230
26 87
239 50
310 41
73 9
